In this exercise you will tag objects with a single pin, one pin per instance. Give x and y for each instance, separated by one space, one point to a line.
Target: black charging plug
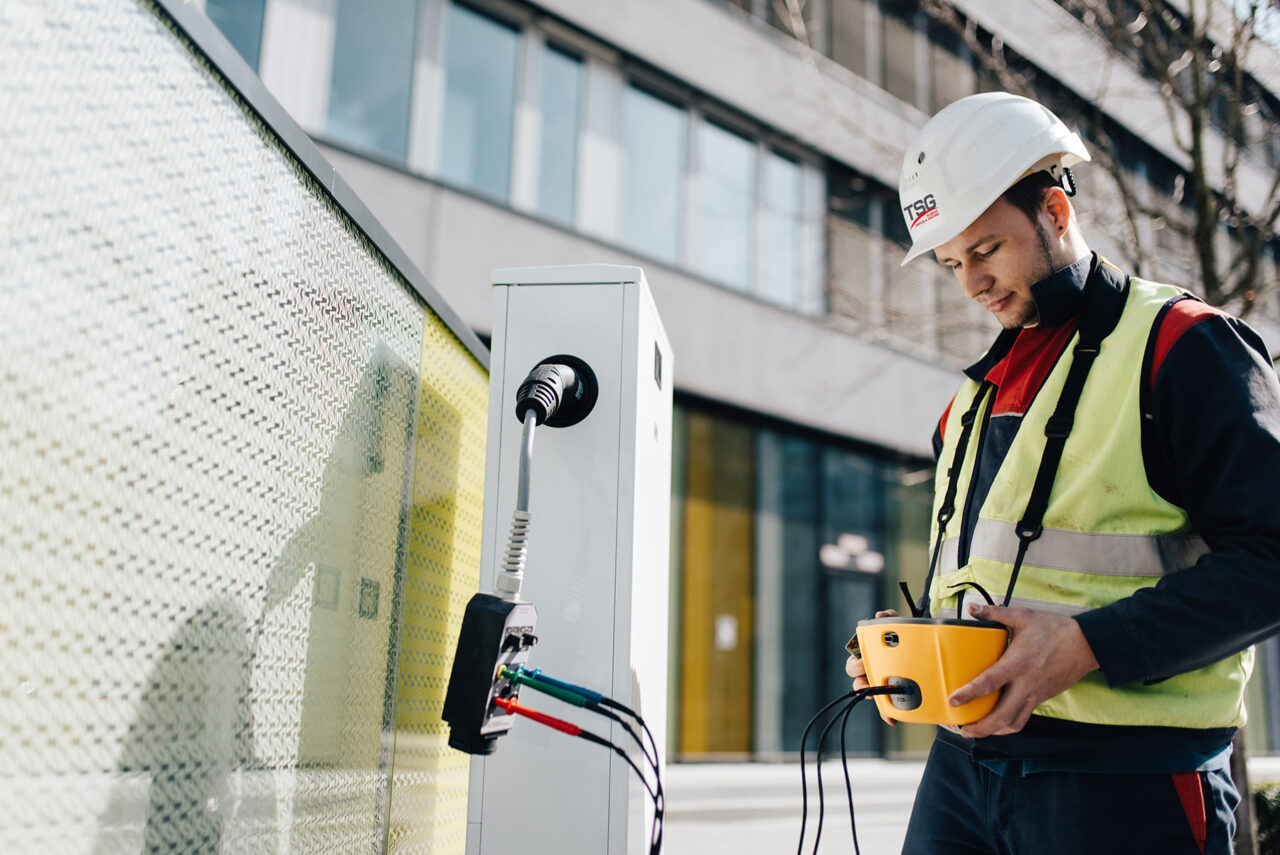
560 390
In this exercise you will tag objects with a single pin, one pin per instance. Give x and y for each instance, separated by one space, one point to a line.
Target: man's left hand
1047 654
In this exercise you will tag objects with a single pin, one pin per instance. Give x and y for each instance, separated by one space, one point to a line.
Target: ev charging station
597 556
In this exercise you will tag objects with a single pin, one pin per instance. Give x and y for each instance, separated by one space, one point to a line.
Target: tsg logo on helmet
921 211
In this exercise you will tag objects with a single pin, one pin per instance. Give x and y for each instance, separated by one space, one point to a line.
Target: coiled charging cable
553 394
511 580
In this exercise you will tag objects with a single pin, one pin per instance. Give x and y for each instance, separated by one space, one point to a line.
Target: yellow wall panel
717 584
442 571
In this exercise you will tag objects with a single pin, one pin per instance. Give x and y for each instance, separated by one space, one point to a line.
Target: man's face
997 260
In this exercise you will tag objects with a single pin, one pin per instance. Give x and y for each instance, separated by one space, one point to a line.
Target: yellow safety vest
1106 531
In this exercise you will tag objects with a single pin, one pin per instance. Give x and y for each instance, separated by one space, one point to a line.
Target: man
1116 497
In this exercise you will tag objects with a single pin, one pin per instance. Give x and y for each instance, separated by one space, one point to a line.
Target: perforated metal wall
241 474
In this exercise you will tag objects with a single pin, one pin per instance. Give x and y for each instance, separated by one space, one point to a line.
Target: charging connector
497 629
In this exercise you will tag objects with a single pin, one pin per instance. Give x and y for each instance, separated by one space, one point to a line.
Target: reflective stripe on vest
1079 551
1020 603
1106 534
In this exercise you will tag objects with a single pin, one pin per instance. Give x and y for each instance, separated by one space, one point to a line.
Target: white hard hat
971 152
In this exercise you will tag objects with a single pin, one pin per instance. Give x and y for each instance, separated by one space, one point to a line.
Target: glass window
895 227
725 206
372 72
479 107
953 74
899 48
789 584
561 96
849 194
653 140
786 541
781 282
849 35
241 22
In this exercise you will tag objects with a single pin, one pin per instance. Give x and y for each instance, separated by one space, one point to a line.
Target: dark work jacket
1211 445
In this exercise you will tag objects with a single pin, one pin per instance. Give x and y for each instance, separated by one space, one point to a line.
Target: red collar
1022 371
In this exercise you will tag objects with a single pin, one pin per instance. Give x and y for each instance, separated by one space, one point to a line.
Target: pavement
754 808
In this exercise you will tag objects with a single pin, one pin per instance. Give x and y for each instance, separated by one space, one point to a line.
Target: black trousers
963 808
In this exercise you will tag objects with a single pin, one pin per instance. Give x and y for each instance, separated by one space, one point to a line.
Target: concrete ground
754 808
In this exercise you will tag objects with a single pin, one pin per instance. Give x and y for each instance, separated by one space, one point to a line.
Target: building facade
746 155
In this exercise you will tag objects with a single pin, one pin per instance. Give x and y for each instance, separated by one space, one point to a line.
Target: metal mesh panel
208 385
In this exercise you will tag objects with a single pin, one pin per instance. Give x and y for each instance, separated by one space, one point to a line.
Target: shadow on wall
192 730
249 738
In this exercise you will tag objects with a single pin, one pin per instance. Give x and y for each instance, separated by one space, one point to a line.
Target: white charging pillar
597 568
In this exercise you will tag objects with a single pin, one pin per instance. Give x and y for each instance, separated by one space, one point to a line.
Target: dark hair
1028 194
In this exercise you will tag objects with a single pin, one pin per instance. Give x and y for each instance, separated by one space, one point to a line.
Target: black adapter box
495 634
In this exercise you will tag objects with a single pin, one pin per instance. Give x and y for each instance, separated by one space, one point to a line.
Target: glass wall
561 107
786 540
653 145
726 206
479 108
372 74
241 22
239 535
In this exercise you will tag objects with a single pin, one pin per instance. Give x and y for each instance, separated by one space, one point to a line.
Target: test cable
822 739
585 698
850 699
597 703
844 764
655 792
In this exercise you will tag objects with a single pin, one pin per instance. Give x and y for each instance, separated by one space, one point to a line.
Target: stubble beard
1030 314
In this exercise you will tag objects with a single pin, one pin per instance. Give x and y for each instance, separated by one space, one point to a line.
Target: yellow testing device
929 658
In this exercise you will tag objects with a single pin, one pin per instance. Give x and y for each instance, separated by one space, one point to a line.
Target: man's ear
1057 207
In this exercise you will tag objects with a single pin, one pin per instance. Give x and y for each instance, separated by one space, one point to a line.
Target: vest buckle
1058 427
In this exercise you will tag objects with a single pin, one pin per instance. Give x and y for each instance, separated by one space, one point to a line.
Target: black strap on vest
948 508
1103 306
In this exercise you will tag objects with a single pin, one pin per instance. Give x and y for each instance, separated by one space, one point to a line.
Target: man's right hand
858 671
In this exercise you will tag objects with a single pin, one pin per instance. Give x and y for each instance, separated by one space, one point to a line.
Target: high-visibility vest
1106 531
